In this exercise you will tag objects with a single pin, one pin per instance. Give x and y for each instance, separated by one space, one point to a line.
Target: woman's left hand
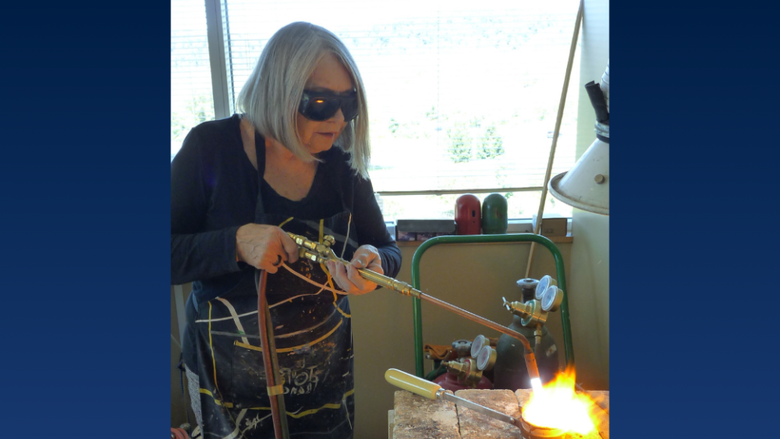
348 278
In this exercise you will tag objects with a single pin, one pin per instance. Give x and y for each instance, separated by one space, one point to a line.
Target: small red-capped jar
468 216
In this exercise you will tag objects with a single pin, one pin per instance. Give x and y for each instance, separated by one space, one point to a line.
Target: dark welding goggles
322 105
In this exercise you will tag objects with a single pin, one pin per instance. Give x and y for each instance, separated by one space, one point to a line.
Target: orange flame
557 405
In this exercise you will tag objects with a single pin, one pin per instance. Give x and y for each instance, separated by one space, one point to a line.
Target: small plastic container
494 215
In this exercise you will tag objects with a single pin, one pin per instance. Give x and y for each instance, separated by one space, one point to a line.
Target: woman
295 161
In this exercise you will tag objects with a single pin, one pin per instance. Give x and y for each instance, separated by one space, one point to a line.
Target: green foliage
460 143
474 139
394 125
415 128
492 144
432 115
467 137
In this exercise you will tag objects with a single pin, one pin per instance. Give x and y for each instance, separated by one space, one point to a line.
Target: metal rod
479 319
561 106
487 411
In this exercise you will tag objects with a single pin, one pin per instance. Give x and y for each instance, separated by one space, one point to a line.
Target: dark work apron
313 336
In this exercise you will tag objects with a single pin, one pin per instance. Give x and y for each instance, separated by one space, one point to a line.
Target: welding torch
322 252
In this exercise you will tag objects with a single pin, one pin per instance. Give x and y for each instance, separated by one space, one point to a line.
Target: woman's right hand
265 247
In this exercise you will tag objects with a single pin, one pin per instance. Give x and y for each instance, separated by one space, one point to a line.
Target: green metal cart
474 239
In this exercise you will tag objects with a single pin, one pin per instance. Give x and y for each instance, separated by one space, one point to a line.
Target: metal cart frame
475 239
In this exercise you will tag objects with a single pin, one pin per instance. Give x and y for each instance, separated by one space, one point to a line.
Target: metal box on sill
423 229
552 225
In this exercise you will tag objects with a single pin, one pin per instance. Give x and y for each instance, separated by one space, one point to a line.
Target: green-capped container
494 220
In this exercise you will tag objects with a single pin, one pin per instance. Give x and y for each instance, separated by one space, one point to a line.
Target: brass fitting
466 370
322 252
531 312
538 335
315 251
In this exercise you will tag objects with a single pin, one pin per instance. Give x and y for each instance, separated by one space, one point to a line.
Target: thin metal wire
561 106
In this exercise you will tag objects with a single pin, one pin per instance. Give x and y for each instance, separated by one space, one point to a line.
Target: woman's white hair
271 95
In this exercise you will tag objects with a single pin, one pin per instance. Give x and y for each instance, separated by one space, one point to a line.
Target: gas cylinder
449 381
453 380
510 371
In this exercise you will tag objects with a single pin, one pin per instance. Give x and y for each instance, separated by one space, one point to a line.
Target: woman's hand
264 247
348 278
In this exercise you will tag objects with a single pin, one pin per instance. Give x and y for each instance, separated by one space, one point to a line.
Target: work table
415 417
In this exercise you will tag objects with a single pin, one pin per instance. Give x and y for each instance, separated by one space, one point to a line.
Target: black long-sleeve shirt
214 191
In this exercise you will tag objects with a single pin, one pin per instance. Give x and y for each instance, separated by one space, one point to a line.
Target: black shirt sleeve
196 252
371 227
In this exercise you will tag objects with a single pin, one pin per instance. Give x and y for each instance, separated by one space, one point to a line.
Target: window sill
555 239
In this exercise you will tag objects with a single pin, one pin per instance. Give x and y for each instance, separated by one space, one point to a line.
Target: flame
558 406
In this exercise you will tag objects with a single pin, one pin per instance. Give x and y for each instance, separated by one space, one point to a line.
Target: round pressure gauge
486 358
544 282
552 298
477 345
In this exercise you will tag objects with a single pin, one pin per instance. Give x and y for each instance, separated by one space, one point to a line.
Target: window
192 100
463 96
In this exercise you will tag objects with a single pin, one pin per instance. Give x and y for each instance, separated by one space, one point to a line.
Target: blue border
85 147
693 159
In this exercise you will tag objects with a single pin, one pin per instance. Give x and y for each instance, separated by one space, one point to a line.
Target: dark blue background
85 159
693 237
85 176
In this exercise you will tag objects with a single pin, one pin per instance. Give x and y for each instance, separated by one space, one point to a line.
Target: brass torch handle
320 253
388 282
